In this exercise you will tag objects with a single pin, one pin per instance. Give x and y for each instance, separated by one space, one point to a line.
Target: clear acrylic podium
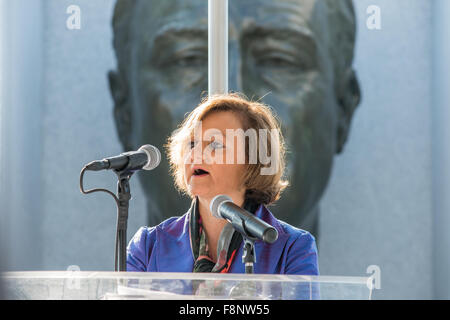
68 285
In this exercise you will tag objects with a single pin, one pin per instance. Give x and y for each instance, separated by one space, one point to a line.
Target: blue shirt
167 248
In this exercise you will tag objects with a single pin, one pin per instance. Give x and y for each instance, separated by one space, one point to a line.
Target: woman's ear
348 97
122 110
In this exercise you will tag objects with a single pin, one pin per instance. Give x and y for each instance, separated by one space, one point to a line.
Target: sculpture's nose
234 68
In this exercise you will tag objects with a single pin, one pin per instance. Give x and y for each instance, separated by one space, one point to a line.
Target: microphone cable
116 250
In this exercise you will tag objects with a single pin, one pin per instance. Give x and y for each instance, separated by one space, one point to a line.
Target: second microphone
222 206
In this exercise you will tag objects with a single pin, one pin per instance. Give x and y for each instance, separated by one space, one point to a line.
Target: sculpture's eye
191 60
276 60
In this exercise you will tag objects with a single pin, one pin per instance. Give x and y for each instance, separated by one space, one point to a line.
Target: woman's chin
201 192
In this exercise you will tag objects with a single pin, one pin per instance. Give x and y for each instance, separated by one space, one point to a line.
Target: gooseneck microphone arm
124 165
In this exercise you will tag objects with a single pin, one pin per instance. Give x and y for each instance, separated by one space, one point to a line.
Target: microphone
147 158
222 206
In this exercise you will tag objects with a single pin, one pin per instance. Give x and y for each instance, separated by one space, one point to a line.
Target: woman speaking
209 156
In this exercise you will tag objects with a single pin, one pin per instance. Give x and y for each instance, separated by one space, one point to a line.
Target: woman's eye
216 145
191 144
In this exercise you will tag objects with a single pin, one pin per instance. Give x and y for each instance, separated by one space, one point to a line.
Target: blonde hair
265 189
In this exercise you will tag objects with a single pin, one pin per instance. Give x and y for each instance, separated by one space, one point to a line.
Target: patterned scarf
227 246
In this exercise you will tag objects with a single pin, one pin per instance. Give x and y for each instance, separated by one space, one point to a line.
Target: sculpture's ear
348 97
122 109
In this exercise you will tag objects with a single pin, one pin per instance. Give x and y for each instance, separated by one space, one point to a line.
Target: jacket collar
264 214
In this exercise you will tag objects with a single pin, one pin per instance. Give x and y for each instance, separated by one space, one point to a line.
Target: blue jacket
167 248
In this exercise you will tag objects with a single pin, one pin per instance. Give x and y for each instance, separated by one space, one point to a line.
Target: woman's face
208 170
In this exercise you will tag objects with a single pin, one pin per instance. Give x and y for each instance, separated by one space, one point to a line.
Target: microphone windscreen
216 202
271 235
153 154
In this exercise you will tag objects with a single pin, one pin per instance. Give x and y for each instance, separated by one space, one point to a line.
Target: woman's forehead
214 127
222 120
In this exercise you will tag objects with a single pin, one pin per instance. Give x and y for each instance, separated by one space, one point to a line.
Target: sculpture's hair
262 188
341 20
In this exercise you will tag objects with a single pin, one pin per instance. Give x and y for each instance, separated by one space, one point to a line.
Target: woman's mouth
200 173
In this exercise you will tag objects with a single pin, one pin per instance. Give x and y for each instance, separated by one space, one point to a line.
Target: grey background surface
77 119
377 210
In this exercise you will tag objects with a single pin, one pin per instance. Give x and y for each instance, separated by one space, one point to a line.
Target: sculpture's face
278 50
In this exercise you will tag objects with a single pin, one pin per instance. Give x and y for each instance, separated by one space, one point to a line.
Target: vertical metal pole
124 196
217 46
441 148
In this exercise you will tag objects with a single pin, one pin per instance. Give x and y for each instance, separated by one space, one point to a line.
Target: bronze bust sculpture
294 54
